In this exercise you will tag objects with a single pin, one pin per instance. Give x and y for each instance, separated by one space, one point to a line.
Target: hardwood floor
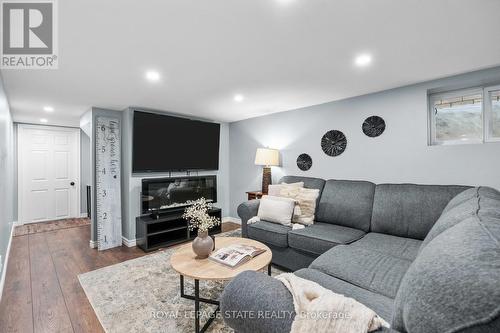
42 292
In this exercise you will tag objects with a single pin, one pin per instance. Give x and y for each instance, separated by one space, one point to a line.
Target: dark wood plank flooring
42 292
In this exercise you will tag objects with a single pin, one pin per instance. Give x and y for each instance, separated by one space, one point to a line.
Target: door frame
20 130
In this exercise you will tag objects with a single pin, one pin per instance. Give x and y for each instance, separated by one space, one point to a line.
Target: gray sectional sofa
426 258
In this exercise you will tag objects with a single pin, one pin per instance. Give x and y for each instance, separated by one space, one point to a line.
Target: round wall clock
333 143
304 162
373 126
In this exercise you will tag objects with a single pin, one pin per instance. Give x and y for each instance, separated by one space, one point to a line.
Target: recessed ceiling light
43 120
239 98
153 76
363 60
48 109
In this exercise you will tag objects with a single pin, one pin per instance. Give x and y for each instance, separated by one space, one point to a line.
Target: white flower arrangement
197 216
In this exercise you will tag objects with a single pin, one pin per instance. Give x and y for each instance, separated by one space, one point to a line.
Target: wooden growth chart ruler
108 183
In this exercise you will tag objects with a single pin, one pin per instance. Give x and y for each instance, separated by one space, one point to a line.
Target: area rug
142 295
34 228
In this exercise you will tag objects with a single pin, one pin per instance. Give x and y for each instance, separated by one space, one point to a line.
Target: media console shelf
169 229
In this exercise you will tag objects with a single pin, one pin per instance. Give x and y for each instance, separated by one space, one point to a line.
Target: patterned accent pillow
274 190
305 199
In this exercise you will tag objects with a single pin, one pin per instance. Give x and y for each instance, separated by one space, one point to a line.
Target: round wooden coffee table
185 262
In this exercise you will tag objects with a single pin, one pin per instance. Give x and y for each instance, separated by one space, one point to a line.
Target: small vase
203 245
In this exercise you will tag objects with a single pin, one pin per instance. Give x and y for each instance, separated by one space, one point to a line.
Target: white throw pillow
276 209
275 190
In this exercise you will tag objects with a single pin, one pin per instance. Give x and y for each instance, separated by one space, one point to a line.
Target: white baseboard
129 242
16 223
4 266
125 241
83 215
231 219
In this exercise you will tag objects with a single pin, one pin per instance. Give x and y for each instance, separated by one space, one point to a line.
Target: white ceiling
280 54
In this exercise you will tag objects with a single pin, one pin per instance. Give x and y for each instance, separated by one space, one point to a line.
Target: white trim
129 242
92 244
6 261
19 174
231 219
457 142
488 114
78 184
83 215
17 224
20 129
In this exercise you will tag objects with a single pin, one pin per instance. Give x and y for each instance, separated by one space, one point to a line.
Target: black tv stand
155 215
168 229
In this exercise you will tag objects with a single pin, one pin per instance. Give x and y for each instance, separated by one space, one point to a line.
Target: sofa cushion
404 248
460 198
268 232
374 271
409 210
320 237
381 304
347 203
454 284
463 206
453 215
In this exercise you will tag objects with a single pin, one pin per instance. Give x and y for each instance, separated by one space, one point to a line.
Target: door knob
72 183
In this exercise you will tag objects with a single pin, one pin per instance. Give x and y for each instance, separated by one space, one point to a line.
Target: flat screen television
166 143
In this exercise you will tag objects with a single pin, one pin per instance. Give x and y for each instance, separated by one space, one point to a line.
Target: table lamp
267 157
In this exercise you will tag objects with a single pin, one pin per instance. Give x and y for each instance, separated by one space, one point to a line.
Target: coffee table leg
197 299
182 285
269 269
197 306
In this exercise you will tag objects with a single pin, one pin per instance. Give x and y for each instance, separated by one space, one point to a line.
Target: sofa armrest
255 302
246 211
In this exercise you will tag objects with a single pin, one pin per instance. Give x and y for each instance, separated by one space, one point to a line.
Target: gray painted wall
132 182
6 173
401 154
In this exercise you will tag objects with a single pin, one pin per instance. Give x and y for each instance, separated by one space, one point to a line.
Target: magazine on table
235 255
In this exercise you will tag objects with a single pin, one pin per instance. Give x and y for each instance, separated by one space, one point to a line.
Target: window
493 113
465 116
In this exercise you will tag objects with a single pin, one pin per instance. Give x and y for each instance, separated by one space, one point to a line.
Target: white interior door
48 173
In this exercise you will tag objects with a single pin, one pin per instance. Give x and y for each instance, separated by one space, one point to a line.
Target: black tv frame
146 181
134 172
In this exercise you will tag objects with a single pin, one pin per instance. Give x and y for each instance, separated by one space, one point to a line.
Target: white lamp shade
266 156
